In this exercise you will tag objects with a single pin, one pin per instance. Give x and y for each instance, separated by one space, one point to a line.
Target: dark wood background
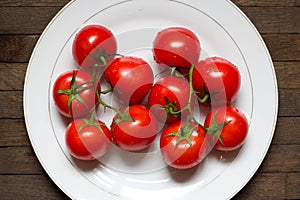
22 22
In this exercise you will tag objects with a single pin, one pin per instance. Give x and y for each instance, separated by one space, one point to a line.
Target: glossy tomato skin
88 96
177 47
219 78
89 142
176 90
131 78
137 133
184 156
88 41
234 133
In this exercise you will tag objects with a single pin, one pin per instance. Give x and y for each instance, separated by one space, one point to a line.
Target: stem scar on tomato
215 128
184 134
123 116
92 122
74 91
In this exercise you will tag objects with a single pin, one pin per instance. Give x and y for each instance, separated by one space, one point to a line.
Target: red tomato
184 145
169 94
233 133
131 77
176 47
135 129
91 44
218 78
87 141
74 94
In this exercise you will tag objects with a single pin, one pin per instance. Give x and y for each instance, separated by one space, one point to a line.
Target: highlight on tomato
131 77
217 81
94 46
176 47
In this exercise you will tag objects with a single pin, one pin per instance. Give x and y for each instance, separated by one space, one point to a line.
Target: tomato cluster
166 108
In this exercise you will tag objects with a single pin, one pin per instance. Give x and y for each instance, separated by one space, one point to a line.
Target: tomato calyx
123 116
100 58
91 122
215 128
184 134
171 109
74 91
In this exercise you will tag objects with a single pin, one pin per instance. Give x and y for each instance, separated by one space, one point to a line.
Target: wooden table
22 22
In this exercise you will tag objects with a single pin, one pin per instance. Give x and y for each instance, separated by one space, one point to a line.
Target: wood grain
25 20
283 47
19 160
33 20
240 3
274 19
33 3
268 3
33 187
16 48
12 76
293 186
11 104
13 133
269 186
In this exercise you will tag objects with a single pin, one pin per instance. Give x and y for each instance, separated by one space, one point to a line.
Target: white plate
223 31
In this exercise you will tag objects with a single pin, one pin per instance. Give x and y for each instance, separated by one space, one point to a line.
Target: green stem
107 91
192 92
203 99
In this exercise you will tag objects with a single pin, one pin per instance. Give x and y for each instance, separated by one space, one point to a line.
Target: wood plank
19 160
17 48
281 158
267 3
269 186
287 131
36 3
51 3
287 74
26 20
274 19
13 133
293 186
33 20
34 187
283 47
289 102
12 76
11 104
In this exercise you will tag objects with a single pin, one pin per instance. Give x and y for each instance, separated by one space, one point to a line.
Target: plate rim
28 71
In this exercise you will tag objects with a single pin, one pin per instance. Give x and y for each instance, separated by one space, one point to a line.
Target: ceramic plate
223 31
